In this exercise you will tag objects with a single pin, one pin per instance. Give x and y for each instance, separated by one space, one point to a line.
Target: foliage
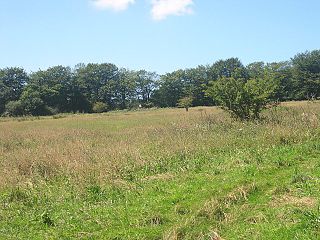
32 102
100 107
185 102
61 89
306 75
244 99
12 83
14 109
170 90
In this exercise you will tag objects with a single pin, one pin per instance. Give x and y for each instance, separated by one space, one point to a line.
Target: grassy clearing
162 174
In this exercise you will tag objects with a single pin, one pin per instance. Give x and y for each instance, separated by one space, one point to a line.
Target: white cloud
164 8
116 5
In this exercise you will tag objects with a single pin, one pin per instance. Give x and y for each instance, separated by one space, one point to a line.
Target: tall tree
146 83
55 87
125 88
231 67
12 82
306 73
98 82
171 89
198 80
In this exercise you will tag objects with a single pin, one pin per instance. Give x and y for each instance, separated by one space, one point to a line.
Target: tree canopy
97 87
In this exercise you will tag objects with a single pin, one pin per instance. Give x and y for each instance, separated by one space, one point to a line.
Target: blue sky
158 35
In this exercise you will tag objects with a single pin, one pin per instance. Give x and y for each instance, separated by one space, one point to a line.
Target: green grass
162 174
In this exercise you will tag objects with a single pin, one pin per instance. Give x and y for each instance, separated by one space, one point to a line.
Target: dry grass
161 173
108 146
287 199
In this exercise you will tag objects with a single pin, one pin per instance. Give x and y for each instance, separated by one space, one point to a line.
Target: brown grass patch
291 200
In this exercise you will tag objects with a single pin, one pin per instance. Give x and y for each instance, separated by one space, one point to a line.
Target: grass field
162 174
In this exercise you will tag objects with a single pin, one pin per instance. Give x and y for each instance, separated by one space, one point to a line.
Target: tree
306 74
100 107
196 83
244 99
125 88
231 67
97 82
14 109
32 103
12 83
256 69
145 86
171 89
281 72
55 87
185 102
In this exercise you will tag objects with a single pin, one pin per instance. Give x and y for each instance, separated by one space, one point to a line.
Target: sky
156 35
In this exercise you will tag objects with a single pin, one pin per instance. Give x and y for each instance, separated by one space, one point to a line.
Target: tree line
104 87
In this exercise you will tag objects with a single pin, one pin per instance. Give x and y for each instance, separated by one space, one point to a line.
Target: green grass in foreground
162 174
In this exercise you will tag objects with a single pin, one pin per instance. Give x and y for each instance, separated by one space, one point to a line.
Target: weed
47 220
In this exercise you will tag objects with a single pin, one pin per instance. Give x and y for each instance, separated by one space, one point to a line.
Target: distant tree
146 83
98 82
32 102
14 109
306 74
125 88
281 72
231 67
4 95
185 102
244 99
89 86
12 83
196 83
171 89
256 69
55 87
100 107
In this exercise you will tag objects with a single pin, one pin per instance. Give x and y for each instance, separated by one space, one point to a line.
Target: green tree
146 83
98 82
100 107
282 73
196 83
306 74
12 83
231 67
55 87
185 102
32 102
244 99
125 88
171 89
14 109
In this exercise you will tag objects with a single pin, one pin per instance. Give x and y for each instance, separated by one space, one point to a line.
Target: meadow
162 174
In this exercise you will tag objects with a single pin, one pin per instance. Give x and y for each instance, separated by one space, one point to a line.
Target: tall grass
110 146
125 155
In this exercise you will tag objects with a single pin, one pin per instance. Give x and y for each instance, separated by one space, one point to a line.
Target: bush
14 109
244 99
32 103
100 107
185 102
34 106
147 105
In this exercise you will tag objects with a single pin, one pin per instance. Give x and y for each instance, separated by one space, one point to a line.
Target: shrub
14 109
147 105
32 103
185 102
244 99
100 107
